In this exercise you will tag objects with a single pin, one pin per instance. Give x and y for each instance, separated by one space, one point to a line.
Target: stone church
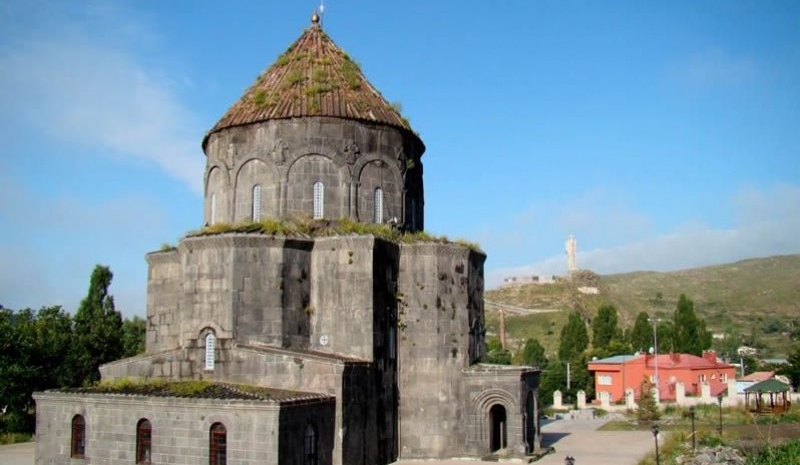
348 349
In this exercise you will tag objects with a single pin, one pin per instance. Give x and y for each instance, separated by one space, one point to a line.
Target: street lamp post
655 351
691 414
569 460
654 429
719 401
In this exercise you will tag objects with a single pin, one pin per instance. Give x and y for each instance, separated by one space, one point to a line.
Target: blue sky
662 135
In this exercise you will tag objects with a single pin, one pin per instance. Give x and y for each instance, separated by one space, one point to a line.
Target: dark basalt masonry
381 341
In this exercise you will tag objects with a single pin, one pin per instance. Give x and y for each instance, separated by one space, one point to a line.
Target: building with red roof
622 372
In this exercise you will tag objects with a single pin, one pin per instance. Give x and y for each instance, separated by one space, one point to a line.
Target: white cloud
767 223
78 86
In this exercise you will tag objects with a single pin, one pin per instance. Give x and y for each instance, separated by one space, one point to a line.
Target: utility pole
568 380
655 351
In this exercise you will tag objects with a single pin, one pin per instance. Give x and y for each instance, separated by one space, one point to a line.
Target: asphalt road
577 438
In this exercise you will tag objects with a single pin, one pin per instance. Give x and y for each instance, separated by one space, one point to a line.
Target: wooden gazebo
778 397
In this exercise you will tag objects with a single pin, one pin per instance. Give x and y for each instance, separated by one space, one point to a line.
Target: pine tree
98 330
647 409
641 337
574 338
533 354
605 327
689 332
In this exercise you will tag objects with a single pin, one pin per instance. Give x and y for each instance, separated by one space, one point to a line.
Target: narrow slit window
218 453
78 448
319 201
213 208
143 441
211 342
378 212
310 446
256 203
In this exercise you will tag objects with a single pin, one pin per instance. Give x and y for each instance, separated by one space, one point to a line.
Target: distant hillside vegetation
755 300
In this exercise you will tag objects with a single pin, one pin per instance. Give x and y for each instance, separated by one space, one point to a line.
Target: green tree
133 335
554 378
495 353
574 338
54 335
641 337
689 332
605 327
18 370
98 329
646 406
533 354
792 369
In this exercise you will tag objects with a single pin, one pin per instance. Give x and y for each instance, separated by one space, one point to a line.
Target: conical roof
314 77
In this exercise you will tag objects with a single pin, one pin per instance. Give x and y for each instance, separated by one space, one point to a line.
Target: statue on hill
572 249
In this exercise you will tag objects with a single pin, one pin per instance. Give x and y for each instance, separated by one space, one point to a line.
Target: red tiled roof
681 361
314 77
758 376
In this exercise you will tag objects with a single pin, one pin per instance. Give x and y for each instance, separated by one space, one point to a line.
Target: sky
662 135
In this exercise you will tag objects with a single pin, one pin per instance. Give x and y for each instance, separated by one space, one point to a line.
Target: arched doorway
530 423
497 425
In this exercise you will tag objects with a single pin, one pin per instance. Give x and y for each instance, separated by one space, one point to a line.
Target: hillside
757 299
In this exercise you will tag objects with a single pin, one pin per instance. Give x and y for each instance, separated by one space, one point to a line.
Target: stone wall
286 157
514 389
386 328
437 297
180 428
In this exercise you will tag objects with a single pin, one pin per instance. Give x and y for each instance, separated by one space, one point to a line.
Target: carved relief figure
279 152
351 152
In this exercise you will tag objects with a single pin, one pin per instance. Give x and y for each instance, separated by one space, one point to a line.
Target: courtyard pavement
581 440
578 438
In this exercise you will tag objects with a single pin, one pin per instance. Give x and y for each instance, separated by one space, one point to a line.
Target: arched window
377 214
143 441
217 454
310 446
213 215
319 200
257 203
211 342
78 448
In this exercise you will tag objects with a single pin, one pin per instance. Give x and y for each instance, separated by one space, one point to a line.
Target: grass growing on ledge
327 228
187 388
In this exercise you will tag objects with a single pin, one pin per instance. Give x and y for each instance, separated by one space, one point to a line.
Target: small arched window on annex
217 445
144 441
377 213
319 200
78 441
311 446
210 350
213 214
256 216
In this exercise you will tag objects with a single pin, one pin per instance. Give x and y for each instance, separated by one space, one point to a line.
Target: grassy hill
756 299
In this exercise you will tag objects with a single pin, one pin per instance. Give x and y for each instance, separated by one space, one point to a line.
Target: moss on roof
307 228
314 77
198 389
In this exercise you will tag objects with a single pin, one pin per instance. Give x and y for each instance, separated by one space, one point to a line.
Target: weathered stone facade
392 334
258 432
350 159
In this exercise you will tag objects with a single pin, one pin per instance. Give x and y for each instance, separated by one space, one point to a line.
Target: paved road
17 454
578 438
581 440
